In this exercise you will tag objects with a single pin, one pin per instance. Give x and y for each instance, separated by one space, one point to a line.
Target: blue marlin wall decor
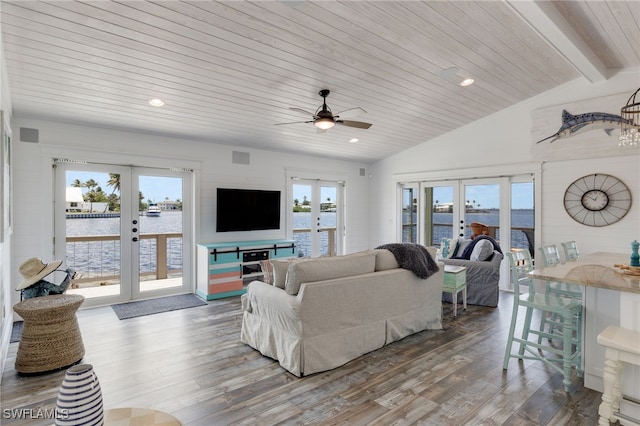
574 124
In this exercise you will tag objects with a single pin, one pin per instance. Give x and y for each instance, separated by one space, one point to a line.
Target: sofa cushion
280 268
448 247
385 260
482 250
328 268
267 271
463 243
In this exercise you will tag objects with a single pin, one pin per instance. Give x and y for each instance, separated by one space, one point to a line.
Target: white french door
104 230
432 210
317 217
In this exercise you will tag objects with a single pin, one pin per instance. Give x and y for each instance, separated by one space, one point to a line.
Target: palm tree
89 196
91 184
114 181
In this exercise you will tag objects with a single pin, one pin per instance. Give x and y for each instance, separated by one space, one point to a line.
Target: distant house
168 205
74 200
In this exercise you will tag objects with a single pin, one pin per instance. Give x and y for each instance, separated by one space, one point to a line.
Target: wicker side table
51 336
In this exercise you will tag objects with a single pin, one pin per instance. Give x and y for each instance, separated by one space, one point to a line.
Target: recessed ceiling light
451 74
354 140
156 102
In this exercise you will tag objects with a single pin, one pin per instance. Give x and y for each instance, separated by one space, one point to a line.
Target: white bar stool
621 346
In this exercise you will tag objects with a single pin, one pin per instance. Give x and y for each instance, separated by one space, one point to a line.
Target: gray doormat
155 306
16 331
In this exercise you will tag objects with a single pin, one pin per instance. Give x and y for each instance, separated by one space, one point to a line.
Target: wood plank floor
191 364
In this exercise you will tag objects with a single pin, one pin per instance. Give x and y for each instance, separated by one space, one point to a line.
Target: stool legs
612 393
567 339
512 330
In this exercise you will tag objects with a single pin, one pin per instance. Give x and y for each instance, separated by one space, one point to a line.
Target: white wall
33 190
5 246
504 138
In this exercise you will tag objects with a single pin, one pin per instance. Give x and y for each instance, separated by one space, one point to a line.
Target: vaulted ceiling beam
547 21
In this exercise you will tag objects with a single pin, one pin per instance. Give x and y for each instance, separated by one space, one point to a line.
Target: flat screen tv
247 210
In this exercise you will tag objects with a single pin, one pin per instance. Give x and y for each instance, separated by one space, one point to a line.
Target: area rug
155 306
16 331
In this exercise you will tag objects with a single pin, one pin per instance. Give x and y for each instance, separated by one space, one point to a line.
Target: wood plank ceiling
229 71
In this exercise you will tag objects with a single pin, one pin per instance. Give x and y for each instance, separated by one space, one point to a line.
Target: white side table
455 281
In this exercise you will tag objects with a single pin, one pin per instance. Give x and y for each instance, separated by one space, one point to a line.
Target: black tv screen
247 210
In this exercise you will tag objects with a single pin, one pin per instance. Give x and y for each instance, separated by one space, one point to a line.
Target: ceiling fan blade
293 122
356 111
302 111
356 124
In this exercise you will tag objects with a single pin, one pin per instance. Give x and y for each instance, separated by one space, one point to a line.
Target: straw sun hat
34 269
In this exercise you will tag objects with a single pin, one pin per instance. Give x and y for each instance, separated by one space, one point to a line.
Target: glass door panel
481 204
409 214
522 216
317 217
160 232
328 229
438 213
88 228
303 226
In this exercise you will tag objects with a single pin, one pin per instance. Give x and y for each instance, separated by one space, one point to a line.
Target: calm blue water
303 239
101 258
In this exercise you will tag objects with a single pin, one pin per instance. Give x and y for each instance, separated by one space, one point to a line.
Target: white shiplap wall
212 164
559 227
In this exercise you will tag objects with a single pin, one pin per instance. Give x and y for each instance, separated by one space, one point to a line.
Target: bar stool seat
621 346
51 336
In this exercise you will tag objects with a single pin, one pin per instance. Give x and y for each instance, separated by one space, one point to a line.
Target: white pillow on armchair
482 251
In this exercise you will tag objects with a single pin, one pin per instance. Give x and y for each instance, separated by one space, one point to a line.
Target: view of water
444 221
100 258
103 257
302 220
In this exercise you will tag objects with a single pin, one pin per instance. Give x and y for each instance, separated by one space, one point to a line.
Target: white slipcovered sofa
322 313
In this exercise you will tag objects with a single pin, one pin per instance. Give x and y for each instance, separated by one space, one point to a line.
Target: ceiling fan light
324 123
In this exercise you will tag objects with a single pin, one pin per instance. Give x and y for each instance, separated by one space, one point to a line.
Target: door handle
134 239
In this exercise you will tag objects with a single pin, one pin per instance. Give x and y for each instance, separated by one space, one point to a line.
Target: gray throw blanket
413 257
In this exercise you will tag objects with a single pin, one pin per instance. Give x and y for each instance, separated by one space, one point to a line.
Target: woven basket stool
51 336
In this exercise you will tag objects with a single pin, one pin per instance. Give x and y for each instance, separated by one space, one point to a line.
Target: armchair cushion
482 251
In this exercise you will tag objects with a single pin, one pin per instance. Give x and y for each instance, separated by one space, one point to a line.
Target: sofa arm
268 301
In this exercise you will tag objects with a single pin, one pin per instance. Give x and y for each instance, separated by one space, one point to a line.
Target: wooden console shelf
224 269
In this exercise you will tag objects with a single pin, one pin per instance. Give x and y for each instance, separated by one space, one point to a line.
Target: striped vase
80 398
